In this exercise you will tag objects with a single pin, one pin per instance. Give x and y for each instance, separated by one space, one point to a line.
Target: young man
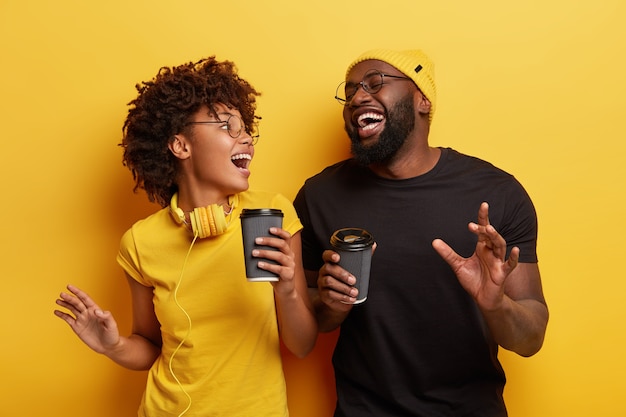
209 338
425 341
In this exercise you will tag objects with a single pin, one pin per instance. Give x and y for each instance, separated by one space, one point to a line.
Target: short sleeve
128 258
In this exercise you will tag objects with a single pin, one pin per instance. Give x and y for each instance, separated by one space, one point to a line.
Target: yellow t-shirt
229 362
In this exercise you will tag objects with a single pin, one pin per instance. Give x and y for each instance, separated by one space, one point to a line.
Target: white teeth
241 160
367 118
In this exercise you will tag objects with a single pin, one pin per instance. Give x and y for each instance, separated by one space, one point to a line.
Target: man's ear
423 104
179 146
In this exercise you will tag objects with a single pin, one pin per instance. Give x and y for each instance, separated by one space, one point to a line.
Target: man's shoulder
462 161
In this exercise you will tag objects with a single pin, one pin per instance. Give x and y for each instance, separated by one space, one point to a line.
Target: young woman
209 338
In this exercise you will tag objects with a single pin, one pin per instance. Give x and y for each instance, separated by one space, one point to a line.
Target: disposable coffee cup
354 246
256 223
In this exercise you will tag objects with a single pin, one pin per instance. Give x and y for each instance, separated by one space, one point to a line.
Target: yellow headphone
205 221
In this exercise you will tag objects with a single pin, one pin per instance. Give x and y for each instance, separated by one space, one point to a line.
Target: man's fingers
483 214
511 263
330 256
333 290
445 251
496 242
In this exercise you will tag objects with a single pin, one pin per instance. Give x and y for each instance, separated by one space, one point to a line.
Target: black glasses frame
366 86
226 122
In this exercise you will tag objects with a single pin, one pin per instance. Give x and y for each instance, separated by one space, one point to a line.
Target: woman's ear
179 146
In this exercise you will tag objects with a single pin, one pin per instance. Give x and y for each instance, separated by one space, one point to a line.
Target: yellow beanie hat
415 64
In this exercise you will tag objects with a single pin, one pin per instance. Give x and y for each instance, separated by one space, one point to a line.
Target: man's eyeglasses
234 125
373 81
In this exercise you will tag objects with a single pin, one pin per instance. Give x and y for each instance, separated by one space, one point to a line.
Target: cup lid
261 212
352 238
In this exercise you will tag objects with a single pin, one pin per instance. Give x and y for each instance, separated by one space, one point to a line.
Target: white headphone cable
188 328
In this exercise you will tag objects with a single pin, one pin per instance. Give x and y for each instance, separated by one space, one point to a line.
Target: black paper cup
256 223
354 246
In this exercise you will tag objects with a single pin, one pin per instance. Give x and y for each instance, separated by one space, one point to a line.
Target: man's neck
409 165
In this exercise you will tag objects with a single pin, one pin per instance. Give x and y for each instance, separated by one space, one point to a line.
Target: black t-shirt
418 345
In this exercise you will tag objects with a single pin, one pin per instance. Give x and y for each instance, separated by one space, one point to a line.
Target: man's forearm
519 326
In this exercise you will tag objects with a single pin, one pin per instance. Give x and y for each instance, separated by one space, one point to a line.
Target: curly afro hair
162 108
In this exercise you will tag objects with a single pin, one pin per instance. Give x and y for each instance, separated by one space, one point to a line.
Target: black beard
399 123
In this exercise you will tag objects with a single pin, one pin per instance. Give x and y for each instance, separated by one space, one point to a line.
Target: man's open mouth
369 120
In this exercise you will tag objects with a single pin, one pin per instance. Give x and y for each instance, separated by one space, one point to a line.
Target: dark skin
207 176
508 293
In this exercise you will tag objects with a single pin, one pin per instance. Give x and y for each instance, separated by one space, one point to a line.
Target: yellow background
536 87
